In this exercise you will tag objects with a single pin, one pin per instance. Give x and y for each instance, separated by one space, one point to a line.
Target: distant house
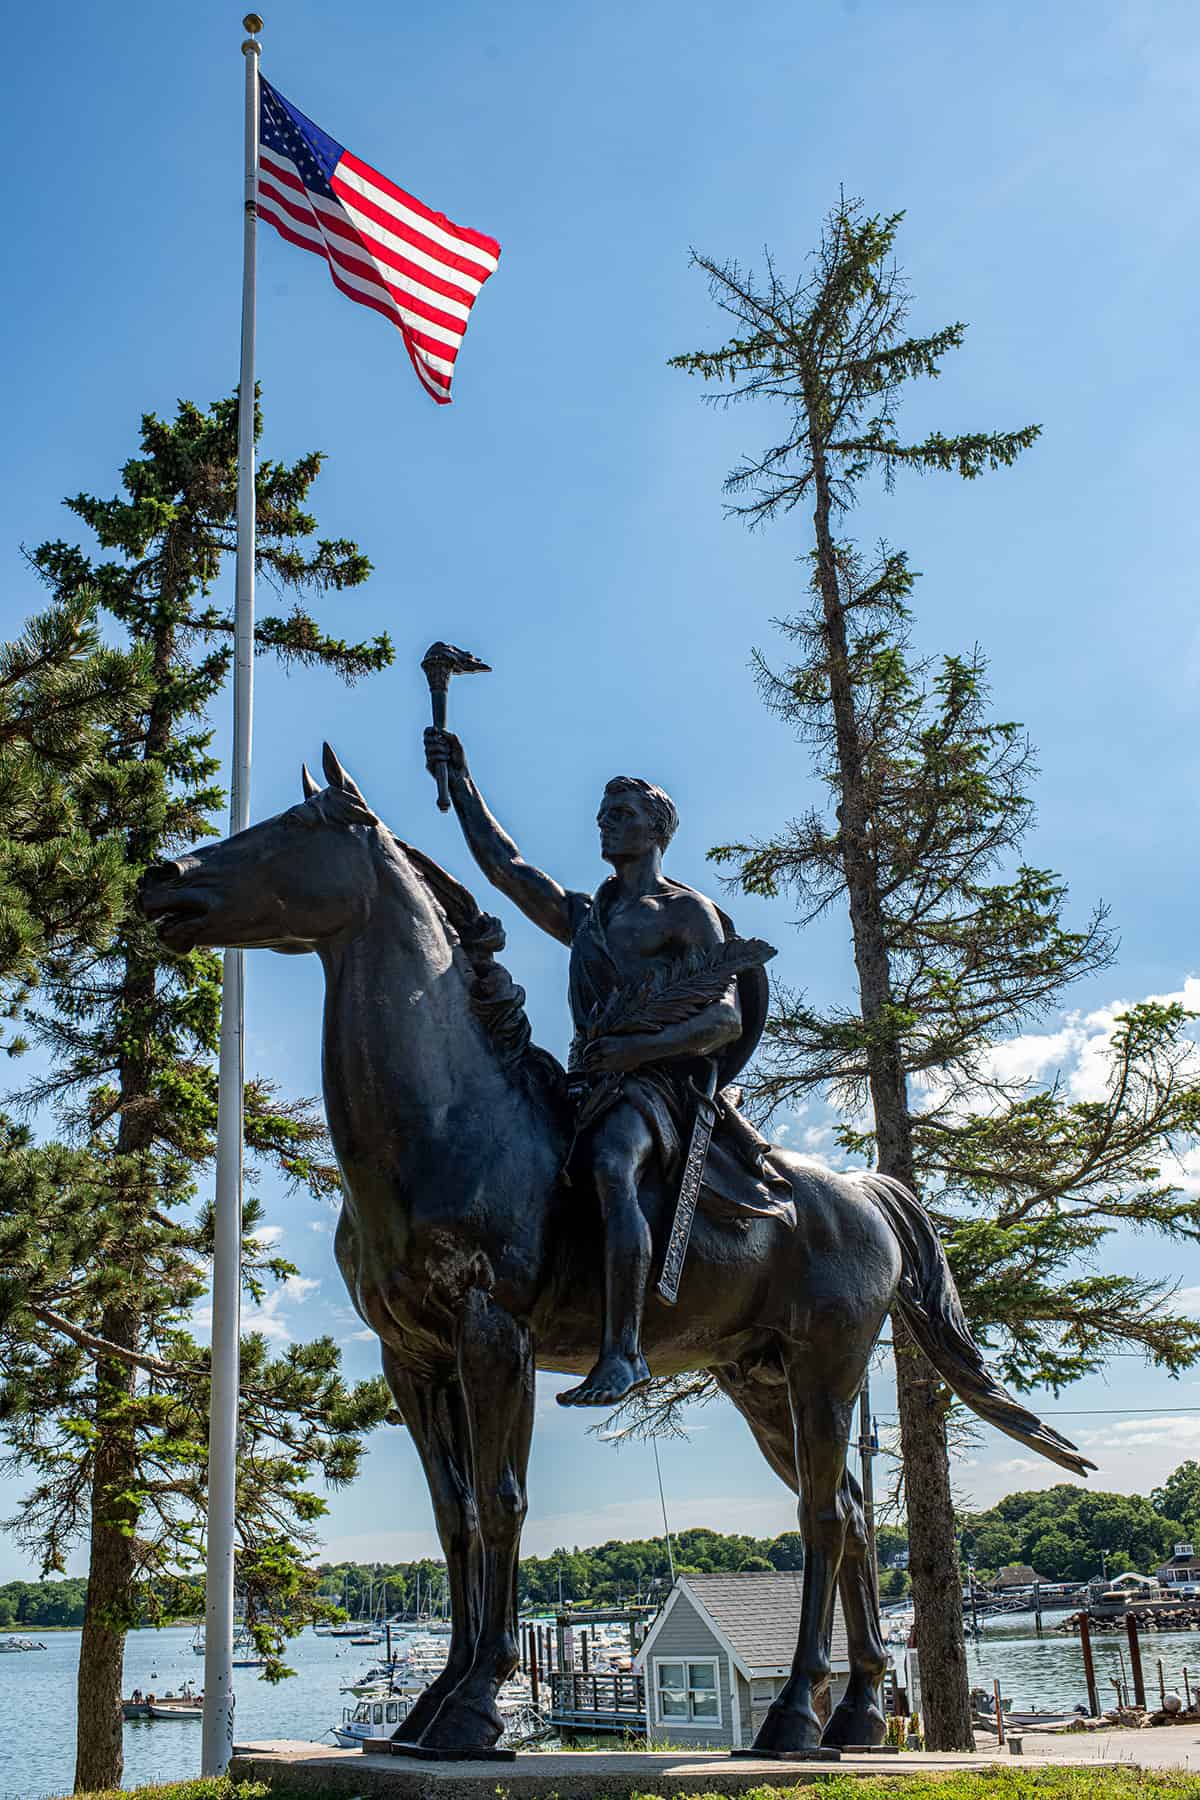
719 1652
1015 1575
1183 1570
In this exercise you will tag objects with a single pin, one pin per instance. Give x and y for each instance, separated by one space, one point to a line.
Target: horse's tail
928 1303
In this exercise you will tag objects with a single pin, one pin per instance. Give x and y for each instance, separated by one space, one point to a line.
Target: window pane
670 1675
672 1706
704 1706
702 1675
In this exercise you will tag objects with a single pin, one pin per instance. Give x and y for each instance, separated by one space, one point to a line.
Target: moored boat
371 1719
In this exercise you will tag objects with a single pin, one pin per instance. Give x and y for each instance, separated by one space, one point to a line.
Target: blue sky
563 519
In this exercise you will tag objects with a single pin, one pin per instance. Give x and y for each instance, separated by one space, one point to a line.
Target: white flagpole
227 1246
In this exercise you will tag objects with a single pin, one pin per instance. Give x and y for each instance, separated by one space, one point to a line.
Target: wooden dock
597 1704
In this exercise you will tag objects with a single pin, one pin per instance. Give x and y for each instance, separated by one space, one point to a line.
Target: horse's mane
497 1001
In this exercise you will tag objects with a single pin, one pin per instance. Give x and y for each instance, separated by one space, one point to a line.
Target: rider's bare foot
613 1377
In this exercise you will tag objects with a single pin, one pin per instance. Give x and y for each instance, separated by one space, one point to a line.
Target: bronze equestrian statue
476 1256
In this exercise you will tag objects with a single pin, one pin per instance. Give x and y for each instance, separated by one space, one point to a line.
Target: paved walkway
1154 1747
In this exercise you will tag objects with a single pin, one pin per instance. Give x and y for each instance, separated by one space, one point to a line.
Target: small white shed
719 1652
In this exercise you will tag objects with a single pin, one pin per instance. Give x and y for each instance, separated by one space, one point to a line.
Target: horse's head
301 880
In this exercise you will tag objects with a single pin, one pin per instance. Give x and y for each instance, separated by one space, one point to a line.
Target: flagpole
217 1745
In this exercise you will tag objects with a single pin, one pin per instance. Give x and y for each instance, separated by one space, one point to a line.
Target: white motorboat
374 1721
188 1703
371 1719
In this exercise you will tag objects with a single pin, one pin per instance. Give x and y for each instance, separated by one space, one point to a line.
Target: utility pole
663 1503
867 1449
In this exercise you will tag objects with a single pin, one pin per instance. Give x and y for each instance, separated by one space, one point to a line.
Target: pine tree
60 690
105 1388
954 946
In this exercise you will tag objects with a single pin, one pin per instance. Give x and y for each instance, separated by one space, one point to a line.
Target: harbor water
37 1693
37 1705
1047 1672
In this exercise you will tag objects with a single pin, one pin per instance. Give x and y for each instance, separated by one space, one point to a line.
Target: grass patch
1090 1781
222 1788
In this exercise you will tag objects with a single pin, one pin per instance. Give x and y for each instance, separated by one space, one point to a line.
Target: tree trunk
99 1742
932 1549
112 1567
933 1560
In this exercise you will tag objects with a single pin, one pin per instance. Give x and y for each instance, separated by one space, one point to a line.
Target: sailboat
370 1624
349 1628
245 1650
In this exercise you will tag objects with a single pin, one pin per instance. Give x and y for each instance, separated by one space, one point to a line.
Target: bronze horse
475 1263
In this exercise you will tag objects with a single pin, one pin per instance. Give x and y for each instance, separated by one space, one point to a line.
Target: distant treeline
1074 1533
1064 1533
33 1603
612 1574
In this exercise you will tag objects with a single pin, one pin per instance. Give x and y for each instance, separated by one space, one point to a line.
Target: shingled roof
758 1615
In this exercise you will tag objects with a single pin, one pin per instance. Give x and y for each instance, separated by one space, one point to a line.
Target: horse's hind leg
821 1424
436 1416
857 1718
803 1434
495 1366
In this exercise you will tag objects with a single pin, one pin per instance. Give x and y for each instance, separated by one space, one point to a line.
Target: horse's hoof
790 1729
426 1709
854 1724
464 1725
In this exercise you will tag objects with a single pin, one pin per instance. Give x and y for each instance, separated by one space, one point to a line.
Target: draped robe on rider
741 1178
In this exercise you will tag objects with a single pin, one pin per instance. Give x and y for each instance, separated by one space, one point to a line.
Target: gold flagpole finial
252 23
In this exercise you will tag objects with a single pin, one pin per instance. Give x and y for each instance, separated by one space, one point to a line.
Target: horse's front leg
495 1367
436 1416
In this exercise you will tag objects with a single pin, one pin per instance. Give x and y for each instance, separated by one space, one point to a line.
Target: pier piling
1135 1662
1089 1667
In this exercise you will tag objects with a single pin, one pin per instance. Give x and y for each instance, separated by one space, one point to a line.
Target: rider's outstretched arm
538 895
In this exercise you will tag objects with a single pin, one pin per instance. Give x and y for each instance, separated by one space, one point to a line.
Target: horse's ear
337 777
310 786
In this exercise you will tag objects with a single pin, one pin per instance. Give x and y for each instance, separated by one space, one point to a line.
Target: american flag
384 248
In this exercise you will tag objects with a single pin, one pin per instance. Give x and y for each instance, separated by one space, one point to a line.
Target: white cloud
266 1235
1077 1053
1032 1056
816 1136
320 1225
1176 1436
269 1318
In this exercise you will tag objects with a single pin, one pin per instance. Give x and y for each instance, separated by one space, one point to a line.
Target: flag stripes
384 248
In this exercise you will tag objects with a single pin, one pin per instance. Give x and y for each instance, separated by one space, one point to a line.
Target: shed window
686 1693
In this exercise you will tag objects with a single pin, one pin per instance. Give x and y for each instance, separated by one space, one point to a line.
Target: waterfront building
1182 1571
719 1652
1015 1576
